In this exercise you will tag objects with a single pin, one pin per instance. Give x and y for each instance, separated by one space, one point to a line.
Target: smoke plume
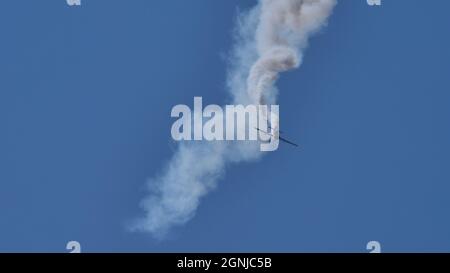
270 39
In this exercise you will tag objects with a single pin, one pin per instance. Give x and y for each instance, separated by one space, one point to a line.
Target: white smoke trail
271 39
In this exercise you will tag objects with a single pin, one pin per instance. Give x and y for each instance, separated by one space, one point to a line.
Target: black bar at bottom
227 262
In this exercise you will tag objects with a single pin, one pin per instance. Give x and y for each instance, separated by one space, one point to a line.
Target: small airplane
279 137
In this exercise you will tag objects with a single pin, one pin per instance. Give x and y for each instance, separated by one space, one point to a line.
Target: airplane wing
279 137
287 141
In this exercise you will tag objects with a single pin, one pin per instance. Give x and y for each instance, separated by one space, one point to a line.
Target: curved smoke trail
271 39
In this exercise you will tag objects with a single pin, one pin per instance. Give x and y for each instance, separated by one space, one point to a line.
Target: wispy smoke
270 39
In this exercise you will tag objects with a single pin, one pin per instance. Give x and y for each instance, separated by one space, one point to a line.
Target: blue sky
85 100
